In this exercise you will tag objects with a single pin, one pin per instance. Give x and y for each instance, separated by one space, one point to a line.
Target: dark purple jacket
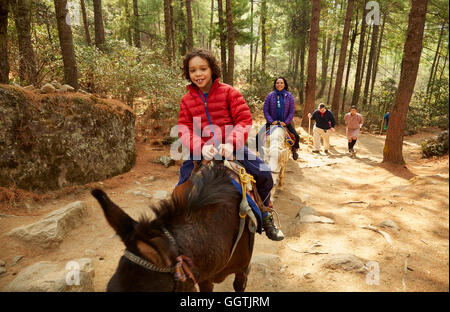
270 107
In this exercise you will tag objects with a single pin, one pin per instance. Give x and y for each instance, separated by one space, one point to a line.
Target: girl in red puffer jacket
214 121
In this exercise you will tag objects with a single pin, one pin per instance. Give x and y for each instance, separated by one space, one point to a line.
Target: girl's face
279 84
200 73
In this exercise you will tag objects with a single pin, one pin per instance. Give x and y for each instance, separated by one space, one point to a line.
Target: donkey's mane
211 185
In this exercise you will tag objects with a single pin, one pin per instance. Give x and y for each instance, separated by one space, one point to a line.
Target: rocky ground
351 224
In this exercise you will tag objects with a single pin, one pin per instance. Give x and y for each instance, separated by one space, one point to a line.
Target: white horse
276 155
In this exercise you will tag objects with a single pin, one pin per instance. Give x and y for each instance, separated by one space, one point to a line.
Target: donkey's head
152 259
148 246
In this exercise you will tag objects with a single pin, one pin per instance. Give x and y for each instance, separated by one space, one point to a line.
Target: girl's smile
200 73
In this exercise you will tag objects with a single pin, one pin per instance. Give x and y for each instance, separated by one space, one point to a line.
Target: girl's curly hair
204 54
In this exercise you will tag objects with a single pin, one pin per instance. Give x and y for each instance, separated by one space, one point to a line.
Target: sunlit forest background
132 50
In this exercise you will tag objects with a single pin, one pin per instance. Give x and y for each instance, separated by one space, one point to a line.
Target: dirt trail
354 192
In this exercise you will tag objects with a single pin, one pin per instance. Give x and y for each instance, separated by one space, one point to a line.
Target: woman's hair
204 54
286 87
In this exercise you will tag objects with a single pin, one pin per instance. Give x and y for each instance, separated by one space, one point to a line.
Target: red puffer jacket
230 117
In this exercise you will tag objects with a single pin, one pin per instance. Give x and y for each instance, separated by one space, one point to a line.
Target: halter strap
145 263
181 270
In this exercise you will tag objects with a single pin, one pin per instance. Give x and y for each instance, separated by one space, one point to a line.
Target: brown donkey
188 242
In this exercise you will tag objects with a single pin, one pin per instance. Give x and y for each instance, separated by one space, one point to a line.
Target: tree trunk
98 23
375 67
172 30
85 23
257 44
190 36
231 35
410 64
366 50
128 18
66 43
211 26
296 58
312 62
341 62
4 64
301 82
352 43
326 48
359 67
251 42
137 34
167 30
22 17
433 68
223 41
263 34
332 70
370 63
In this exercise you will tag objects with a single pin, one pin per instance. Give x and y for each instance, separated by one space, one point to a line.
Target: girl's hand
283 124
226 150
208 151
275 122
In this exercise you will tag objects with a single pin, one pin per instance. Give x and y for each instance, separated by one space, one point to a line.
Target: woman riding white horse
279 108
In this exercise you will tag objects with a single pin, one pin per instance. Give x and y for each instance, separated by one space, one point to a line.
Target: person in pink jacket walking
353 123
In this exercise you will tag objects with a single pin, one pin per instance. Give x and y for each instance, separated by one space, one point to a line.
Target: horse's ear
122 223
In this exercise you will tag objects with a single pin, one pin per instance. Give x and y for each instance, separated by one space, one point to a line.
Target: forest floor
354 192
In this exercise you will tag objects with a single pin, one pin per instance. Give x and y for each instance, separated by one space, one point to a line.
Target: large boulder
45 276
51 141
51 230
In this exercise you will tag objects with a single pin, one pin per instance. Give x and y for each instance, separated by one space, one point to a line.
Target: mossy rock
58 140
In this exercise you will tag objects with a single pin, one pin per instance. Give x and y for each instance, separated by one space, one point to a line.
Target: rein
181 270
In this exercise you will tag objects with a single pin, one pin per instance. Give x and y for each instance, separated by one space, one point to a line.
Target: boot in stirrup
271 230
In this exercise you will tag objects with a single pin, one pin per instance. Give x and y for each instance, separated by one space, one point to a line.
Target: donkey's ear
122 223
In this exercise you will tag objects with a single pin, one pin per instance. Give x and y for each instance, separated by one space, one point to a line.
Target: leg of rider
297 137
261 138
261 172
185 171
263 177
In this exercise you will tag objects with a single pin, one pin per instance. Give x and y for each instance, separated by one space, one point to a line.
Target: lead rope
244 178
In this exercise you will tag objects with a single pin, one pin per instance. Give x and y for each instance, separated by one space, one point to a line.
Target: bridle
181 270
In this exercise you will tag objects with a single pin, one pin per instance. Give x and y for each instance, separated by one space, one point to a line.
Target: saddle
290 137
241 179
248 207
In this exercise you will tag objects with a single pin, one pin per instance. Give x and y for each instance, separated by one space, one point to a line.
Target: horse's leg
240 280
206 286
281 176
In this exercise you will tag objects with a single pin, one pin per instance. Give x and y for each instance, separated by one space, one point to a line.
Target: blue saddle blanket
253 205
